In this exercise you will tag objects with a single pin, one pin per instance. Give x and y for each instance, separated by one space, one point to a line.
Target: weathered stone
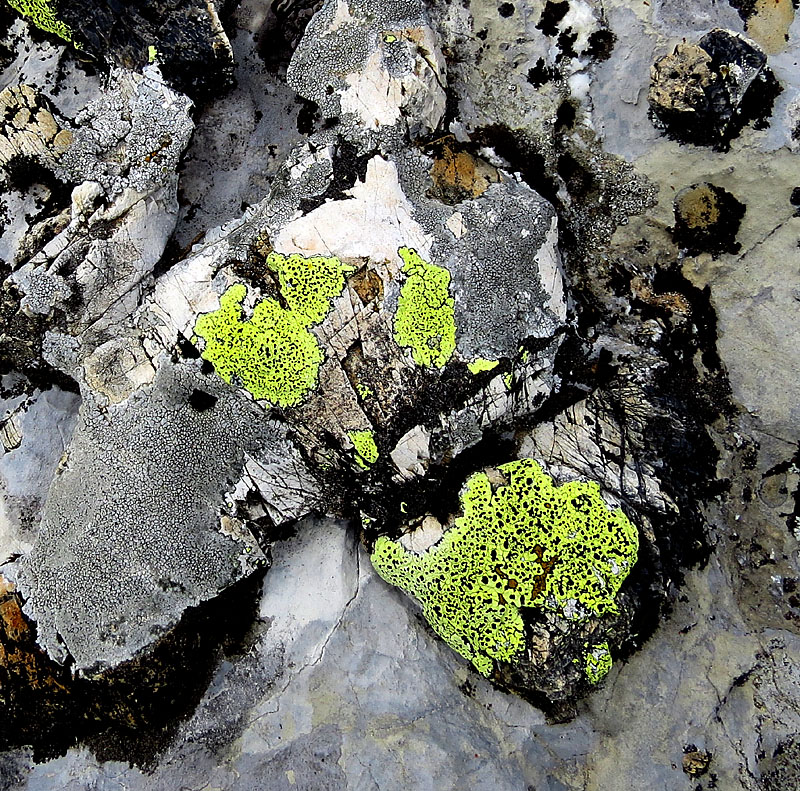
705 93
186 37
593 296
707 219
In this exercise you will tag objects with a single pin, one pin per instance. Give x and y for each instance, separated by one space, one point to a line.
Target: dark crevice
132 712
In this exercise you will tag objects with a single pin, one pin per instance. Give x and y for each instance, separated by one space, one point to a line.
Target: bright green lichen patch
43 14
309 284
272 353
364 391
480 365
366 449
598 663
528 543
425 320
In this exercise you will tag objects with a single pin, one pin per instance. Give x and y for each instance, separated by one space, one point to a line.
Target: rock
187 38
371 66
36 429
707 219
468 260
705 93
767 22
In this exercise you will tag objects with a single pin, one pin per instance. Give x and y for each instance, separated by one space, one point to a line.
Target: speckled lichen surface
525 544
272 354
597 663
366 449
425 320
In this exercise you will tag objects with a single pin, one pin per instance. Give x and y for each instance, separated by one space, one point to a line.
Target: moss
273 354
527 543
42 13
425 320
366 449
480 365
597 663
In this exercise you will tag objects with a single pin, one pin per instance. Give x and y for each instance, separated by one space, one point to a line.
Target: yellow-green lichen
309 285
425 320
42 13
364 391
527 543
480 365
152 54
366 449
273 354
597 663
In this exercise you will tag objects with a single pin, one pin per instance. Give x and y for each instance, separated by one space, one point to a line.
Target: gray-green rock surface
611 196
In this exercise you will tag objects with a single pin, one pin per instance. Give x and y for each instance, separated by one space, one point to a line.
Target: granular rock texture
396 394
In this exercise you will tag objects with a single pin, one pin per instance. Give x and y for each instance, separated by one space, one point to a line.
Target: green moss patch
527 543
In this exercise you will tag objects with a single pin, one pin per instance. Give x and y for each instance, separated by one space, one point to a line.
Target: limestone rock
447 256
705 93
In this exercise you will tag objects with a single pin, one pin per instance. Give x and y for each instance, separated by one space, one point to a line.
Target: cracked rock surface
311 316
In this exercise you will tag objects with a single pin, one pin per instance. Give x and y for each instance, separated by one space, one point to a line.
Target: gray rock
143 481
661 369
36 430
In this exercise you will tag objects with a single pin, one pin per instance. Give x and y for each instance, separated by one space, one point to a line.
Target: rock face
412 413
186 37
705 93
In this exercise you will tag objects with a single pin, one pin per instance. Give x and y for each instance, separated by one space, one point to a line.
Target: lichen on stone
597 663
273 354
42 13
425 320
524 544
366 449
480 365
309 284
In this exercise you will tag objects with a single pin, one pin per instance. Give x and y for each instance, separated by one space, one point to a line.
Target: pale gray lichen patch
129 535
505 264
376 67
131 137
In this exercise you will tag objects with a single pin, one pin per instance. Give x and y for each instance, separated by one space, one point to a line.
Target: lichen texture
43 14
481 365
425 320
272 353
524 544
366 449
597 663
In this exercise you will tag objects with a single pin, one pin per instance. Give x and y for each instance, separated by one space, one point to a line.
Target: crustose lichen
42 13
272 353
425 320
524 544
